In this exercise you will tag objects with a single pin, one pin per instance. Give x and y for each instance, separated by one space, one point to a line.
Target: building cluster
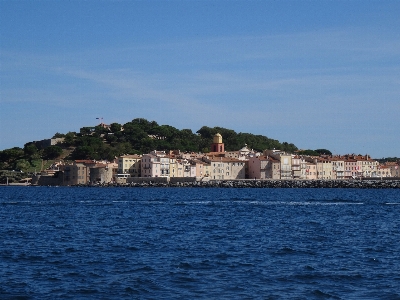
224 165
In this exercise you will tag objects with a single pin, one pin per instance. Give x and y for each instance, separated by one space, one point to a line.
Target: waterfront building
102 173
350 168
311 171
394 169
130 164
338 167
263 167
226 168
155 164
366 167
185 168
77 172
202 168
296 166
285 160
324 168
384 171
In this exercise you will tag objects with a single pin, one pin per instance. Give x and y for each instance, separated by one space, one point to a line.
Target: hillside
136 137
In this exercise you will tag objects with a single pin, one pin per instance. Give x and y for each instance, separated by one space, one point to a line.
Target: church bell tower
217 145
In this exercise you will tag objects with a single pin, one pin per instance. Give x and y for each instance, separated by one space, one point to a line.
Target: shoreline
251 183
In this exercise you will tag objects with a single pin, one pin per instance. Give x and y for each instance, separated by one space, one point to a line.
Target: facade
173 166
286 166
296 167
78 172
350 168
101 173
185 168
311 171
393 168
202 169
263 167
338 167
217 145
130 164
324 168
226 168
357 166
285 159
367 167
384 171
155 164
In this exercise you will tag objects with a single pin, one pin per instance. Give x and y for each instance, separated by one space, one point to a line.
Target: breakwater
361 184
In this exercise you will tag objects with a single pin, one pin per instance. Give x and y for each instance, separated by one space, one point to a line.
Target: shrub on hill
137 137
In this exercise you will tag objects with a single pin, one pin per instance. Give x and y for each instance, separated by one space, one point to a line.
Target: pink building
264 167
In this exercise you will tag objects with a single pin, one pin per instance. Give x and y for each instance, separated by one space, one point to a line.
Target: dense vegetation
136 137
316 152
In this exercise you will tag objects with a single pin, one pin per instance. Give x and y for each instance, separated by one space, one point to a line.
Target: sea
199 243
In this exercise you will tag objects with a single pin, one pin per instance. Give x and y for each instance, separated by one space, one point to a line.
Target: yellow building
130 164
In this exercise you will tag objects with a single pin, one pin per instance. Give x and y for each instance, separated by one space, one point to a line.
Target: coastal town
218 164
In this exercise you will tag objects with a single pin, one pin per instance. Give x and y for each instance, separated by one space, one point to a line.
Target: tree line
135 137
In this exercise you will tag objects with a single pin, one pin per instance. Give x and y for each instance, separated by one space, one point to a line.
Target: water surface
188 243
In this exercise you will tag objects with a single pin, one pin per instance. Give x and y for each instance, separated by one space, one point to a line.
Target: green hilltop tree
323 152
137 137
52 152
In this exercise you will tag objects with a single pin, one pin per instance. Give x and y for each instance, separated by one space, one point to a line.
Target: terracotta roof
84 161
131 156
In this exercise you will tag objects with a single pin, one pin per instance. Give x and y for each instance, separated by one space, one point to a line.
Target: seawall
361 184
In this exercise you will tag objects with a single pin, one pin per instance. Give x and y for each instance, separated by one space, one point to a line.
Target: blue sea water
199 243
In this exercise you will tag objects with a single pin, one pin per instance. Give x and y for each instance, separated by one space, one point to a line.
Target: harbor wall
363 184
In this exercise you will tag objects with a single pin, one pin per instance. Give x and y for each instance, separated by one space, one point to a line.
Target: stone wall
147 180
45 180
174 180
251 183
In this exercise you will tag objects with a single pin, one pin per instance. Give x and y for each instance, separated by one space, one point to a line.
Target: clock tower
217 145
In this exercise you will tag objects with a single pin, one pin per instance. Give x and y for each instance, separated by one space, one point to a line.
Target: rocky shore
361 184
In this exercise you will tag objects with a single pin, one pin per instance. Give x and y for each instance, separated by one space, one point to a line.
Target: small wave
323 295
87 291
184 265
143 268
132 248
285 250
325 203
15 202
198 202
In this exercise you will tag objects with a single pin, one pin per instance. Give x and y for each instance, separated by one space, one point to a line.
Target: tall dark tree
52 152
323 151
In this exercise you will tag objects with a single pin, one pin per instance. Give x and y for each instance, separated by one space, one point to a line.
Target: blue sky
319 74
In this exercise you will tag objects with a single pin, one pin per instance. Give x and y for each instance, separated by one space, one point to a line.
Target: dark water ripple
165 243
